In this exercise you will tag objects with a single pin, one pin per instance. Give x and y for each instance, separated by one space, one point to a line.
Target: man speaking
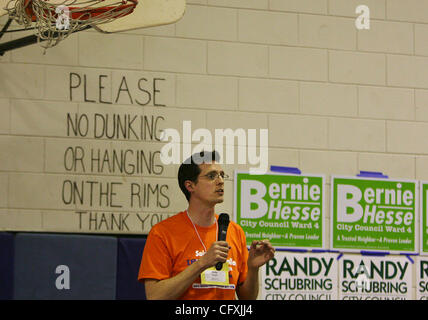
184 257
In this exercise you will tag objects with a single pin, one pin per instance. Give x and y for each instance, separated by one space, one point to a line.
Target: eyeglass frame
217 175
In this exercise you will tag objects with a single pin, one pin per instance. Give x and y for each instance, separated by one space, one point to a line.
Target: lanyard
197 233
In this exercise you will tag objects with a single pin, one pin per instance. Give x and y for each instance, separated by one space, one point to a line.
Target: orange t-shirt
172 245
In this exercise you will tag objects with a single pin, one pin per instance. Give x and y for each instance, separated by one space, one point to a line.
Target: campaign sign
375 278
297 276
424 219
373 214
286 209
422 278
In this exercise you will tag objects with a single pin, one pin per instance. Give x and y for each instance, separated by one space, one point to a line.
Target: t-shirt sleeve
156 262
244 267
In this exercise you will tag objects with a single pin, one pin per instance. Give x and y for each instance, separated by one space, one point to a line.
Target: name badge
217 277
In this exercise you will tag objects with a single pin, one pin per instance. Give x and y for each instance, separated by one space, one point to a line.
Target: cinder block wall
335 100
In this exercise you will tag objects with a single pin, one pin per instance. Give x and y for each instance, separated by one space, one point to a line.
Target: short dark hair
189 169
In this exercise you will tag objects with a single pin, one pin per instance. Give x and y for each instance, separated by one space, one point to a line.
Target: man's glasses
215 175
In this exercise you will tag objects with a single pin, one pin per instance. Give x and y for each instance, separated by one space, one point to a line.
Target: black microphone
223 224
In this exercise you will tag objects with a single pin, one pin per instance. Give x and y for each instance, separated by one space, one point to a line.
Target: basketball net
56 21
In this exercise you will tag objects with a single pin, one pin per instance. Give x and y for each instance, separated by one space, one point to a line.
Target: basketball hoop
56 21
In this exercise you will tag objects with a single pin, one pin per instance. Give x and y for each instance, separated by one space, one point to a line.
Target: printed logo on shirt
201 253
231 263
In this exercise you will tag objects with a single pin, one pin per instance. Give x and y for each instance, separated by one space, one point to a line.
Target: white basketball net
55 22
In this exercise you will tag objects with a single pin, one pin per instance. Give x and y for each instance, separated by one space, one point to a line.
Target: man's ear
189 185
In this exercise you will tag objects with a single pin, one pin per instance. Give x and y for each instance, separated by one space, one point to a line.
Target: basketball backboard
147 13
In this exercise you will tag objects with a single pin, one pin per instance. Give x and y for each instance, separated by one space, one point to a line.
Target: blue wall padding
6 265
130 251
89 266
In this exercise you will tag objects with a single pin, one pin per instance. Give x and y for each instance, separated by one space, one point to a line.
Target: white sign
421 278
300 276
375 278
